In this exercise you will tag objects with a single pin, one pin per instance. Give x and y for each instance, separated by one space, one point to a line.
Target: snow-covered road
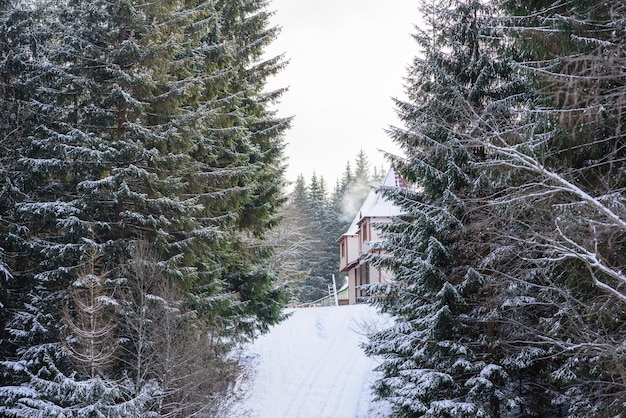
311 365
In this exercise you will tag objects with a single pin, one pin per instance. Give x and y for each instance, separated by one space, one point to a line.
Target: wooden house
359 237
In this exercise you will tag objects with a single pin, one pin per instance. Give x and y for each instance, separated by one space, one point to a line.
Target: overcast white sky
347 60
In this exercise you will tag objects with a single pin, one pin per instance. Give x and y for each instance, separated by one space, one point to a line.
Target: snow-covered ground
311 365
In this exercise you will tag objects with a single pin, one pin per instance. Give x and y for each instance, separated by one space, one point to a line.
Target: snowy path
311 365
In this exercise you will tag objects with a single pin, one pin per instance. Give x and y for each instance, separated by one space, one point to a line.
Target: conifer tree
315 286
360 186
240 159
23 72
438 356
319 216
567 152
140 135
15 41
86 171
354 188
361 167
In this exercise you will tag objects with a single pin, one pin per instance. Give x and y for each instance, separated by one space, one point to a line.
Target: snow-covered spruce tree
24 43
14 48
312 202
239 156
85 389
570 151
248 23
322 215
52 393
325 263
354 188
131 122
298 205
440 358
8 105
88 169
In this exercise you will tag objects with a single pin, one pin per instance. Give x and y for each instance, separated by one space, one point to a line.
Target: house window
343 249
364 230
362 279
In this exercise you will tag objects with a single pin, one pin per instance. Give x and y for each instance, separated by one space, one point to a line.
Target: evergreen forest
145 228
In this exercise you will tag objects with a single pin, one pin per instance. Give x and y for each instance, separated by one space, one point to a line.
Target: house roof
376 205
354 227
351 265
394 179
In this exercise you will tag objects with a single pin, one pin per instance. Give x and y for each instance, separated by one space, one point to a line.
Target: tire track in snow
311 366
318 368
341 377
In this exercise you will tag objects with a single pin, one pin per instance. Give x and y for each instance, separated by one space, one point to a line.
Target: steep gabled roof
376 205
394 179
354 227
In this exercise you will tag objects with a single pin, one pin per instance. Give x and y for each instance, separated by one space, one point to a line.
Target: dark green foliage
438 357
508 293
321 260
136 121
574 53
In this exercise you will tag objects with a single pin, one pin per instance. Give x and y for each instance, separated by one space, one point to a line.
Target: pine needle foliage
135 121
438 357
